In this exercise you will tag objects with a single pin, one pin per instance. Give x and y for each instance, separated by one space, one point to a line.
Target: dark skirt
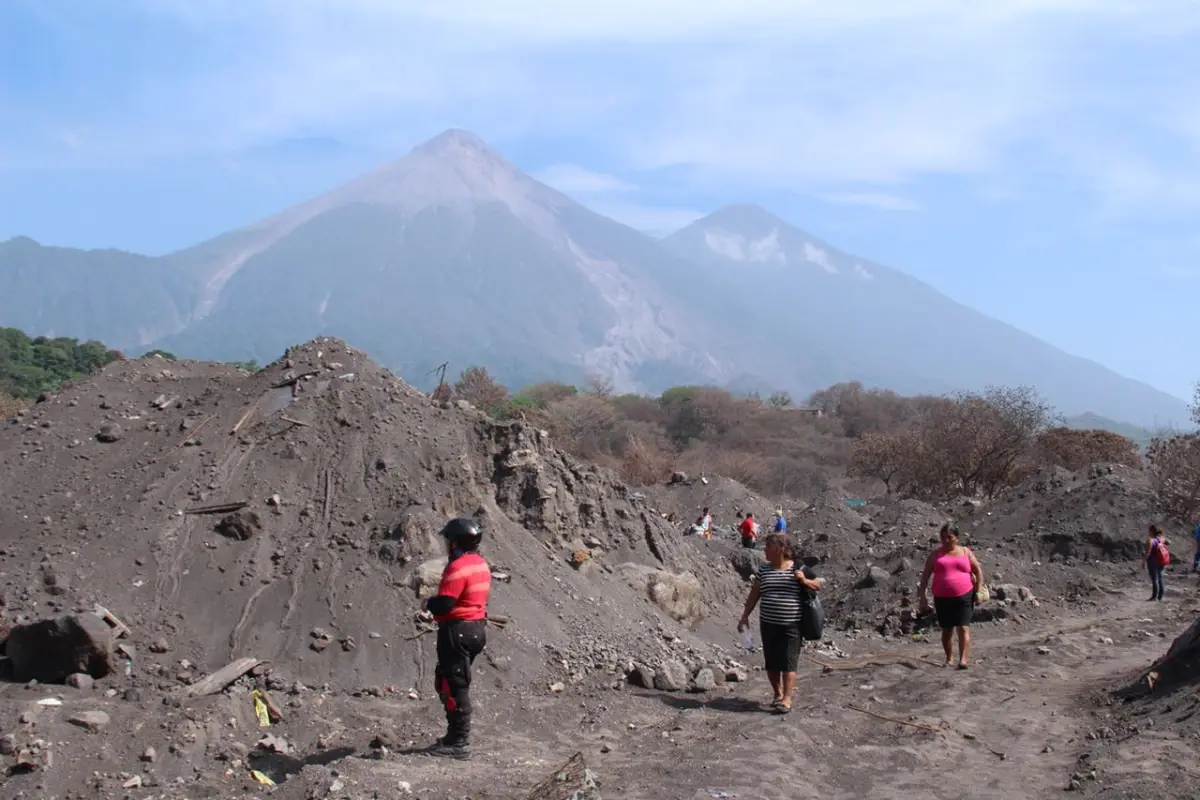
954 612
781 646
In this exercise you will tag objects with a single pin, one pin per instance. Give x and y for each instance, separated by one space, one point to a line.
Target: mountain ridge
445 252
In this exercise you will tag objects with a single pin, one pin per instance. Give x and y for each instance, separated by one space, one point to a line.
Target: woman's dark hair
948 528
1155 531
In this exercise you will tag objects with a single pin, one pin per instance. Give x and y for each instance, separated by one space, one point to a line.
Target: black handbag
812 620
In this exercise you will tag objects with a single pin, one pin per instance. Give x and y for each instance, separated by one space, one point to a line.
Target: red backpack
1160 556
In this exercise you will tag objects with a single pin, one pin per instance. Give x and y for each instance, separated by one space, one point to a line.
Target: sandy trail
1014 725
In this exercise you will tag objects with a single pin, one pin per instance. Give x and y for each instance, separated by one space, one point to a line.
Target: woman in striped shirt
779 589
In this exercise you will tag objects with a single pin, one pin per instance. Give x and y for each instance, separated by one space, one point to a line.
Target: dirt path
1019 717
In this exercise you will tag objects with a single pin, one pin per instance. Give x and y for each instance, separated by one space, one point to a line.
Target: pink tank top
952 576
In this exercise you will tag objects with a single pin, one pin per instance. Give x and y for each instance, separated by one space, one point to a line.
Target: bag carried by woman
812 619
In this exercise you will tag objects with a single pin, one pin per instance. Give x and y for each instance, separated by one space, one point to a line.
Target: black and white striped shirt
780 595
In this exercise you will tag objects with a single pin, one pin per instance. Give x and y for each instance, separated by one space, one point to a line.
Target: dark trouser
781 646
1156 581
458 643
748 542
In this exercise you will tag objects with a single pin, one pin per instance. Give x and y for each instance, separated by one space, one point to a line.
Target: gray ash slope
362 485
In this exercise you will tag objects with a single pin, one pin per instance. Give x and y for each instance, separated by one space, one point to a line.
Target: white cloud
573 179
806 95
889 202
819 256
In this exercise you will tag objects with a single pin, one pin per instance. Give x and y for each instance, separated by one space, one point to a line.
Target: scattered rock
91 721
149 755
876 576
110 432
160 645
8 744
240 525
704 681
80 681
572 781
672 676
642 676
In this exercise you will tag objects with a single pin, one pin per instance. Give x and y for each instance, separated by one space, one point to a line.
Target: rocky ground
277 529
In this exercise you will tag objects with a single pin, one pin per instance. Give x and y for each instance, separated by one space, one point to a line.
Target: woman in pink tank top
957 576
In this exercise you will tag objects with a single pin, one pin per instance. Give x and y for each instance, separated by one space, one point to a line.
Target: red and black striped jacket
467 581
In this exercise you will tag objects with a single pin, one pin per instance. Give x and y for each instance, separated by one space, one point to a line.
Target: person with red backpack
1157 557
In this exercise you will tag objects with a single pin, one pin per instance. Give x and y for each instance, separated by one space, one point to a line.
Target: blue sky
1036 159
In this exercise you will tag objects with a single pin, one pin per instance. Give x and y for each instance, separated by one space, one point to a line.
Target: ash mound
291 515
1067 537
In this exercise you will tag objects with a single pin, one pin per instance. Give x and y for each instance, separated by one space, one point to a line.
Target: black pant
781 646
458 643
748 542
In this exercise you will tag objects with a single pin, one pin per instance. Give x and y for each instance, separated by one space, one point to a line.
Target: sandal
780 708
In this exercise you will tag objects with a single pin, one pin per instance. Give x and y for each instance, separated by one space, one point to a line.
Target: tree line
30 366
974 444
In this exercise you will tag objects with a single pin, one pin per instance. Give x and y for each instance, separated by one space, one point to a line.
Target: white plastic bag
747 640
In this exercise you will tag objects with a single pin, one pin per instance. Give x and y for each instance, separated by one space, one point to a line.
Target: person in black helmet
460 610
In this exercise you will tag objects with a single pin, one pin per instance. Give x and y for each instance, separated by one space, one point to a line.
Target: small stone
110 432
348 644
133 783
160 645
80 681
275 501
92 721
704 681
558 687
8 744
149 755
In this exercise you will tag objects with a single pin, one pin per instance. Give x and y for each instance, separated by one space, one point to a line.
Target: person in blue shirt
781 523
1196 560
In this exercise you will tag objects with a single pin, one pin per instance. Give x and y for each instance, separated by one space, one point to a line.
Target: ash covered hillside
125 489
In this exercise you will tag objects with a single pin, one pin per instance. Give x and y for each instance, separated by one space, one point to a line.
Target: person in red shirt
749 530
460 610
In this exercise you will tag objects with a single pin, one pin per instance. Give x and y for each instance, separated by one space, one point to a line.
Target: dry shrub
644 463
585 423
1076 449
478 388
1175 474
969 444
9 406
679 595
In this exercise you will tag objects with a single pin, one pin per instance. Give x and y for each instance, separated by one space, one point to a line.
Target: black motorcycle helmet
463 533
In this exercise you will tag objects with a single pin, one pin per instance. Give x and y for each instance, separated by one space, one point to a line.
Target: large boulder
51 649
679 595
672 676
428 576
